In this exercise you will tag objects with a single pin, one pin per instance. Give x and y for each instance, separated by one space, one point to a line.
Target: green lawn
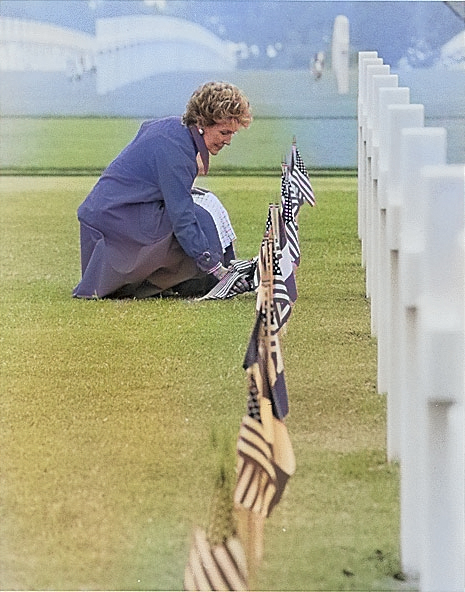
114 415
86 145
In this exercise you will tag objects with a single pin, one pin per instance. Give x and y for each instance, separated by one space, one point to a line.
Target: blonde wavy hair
216 101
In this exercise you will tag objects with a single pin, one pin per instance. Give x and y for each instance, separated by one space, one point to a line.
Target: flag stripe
252 442
189 581
252 498
247 492
222 567
195 566
211 570
233 566
255 487
253 452
237 555
257 492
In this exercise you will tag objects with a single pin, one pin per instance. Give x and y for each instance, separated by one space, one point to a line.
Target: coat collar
201 147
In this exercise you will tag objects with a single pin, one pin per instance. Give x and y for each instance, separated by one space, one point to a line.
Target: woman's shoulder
165 131
164 125
169 135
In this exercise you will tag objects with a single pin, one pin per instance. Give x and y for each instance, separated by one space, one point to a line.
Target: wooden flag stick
250 530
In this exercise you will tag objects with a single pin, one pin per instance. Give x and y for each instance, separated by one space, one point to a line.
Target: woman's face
219 134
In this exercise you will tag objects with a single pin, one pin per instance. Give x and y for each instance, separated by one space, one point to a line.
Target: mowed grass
115 414
74 145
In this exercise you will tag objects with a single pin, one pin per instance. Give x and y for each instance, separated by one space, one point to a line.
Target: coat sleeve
176 172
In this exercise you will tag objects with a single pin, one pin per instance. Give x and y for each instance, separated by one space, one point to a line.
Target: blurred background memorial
295 60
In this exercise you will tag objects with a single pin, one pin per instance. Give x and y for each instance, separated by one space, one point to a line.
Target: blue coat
140 217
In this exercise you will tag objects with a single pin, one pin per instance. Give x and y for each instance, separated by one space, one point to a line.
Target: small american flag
217 559
289 216
282 271
300 181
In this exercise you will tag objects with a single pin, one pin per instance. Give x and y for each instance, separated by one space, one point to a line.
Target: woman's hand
241 285
219 272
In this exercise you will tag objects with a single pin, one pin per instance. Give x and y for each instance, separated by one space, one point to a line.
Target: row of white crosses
411 226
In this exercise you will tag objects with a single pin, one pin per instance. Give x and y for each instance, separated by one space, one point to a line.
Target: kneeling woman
141 230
